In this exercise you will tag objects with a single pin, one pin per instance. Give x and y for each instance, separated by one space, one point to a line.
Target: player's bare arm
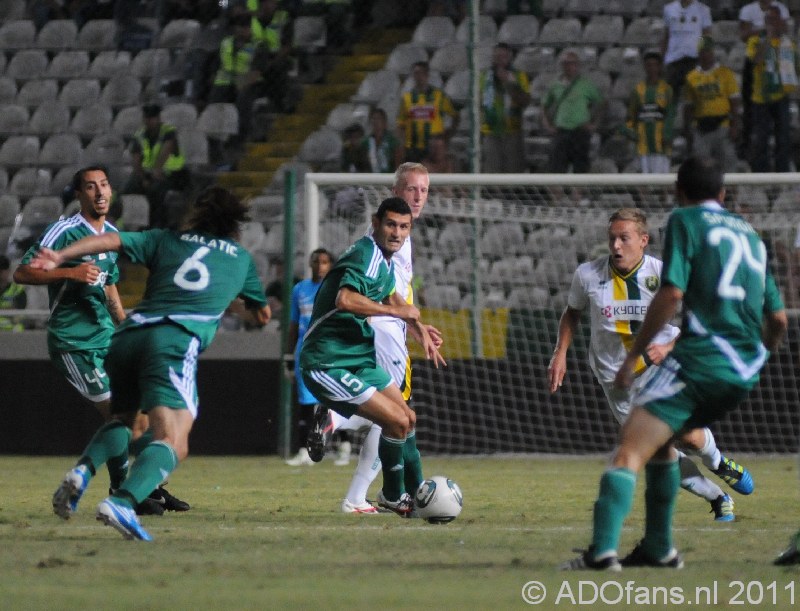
663 307
567 326
350 300
114 303
47 259
85 272
775 326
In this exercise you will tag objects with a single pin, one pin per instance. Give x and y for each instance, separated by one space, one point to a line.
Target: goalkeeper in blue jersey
195 275
716 264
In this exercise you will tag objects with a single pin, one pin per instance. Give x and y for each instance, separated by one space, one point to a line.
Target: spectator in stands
438 160
504 94
12 297
711 113
272 29
685 21
751 23
455 9
572 108
354 155
422 114
774 58
159 165
383 150
651 113
338 15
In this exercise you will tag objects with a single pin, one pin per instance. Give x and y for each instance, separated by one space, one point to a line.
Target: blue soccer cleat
722 506
735 475
111 513
67 495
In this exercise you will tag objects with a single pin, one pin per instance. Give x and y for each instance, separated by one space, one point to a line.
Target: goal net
494 257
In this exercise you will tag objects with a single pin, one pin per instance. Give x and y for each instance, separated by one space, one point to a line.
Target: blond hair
407 168
633 215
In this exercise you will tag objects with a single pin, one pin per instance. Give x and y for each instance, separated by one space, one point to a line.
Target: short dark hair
392 204
322 251
77 178
378 111
423 65
652 55
217 212
700 178
151 110
504 45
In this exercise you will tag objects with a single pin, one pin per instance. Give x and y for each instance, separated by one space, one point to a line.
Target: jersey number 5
740 250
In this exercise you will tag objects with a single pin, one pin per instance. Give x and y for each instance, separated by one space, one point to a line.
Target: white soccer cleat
366 507
301 459
68 494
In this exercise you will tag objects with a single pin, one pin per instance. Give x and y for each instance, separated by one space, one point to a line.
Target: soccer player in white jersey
617 290
411 184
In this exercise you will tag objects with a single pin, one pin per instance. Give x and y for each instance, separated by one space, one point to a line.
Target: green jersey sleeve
772 296
679 249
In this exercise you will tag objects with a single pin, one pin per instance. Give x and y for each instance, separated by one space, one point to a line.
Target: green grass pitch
262 535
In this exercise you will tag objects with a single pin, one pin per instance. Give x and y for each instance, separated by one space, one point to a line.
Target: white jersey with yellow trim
618 304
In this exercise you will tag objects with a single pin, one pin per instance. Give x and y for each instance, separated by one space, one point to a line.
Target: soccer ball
438 500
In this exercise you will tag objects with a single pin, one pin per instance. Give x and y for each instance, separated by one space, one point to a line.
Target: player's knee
398 426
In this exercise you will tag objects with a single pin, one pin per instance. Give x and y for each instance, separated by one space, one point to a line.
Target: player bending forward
338 359
618 289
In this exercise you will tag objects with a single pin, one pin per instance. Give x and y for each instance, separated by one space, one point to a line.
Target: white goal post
494 256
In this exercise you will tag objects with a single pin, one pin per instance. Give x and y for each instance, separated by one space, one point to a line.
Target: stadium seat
604 165
219 120
751 196
583 9
450 59
603 30
17 34
457 87
92 120
266 208
336 235
57 35
43 208
109 63
122 90
50 117
601 80
33 93
63 176
621 60
310 33
560 32
553 8
788 200
27 64
181 115
71 209
9 207
528 298
29 181
8 90
323 148
127 121
643 32
725 32
736 57
442 296
534 60
149 63
135 212
67 65
13 119
178 34
19 151
60 149
108 149
541 83
433 32
627 9
375 85
430 270
519 31
655 8
501 239
97 35
404 56
345 114
11 10
454 236
80 92
487 31
194 145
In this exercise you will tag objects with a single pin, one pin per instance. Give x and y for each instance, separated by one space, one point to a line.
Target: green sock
117 470
137 445
663 481
109 445
151 468
611 508
412 463
390 451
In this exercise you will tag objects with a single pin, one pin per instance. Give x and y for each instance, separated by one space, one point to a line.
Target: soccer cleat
149 507
402 506
363 508
735 475
587 562
301 459
122 519
167 501
343 455
67 495
791 555
638 557
722 508
319 434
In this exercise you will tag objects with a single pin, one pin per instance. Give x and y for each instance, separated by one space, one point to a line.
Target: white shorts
619 401
391 351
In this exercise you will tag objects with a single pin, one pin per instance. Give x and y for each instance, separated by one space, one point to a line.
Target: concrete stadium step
262 163
257 180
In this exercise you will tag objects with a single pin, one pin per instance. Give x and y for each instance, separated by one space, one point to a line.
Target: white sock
710 454
367 469
693 481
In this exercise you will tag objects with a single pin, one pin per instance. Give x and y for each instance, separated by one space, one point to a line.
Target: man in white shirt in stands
685 21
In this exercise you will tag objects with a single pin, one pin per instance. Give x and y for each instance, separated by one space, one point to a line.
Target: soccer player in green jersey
84 307
338 359
195 274
716 264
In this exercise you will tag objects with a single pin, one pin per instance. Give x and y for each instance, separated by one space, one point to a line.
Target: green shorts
86 371
153 366
688 399
343 390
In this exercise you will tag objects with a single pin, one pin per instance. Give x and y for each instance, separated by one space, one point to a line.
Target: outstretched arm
47 259
85 272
